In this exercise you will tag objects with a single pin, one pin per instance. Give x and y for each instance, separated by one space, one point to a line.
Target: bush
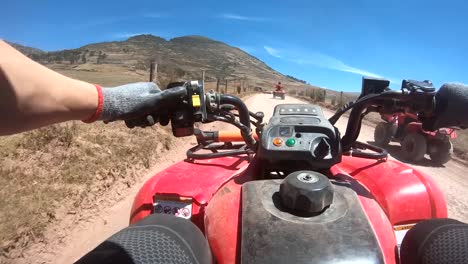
292 92
320 95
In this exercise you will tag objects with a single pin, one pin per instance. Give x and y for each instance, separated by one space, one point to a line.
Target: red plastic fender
199 180
405 194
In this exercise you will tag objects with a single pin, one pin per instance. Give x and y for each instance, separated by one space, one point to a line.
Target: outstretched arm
32 96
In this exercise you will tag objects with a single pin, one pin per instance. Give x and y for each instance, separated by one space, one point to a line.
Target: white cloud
272 51
328 62
239 17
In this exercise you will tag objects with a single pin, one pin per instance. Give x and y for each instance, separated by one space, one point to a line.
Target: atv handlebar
444 108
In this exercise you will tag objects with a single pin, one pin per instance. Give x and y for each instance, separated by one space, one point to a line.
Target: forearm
32 95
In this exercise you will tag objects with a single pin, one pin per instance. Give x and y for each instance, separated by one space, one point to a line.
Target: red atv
415 141
279 92
406 127
291 191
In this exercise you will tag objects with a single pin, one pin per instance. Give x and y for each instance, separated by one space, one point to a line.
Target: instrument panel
300 132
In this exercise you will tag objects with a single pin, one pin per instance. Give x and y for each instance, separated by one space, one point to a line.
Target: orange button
277 142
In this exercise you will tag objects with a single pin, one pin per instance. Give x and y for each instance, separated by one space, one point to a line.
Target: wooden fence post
203 78
153 71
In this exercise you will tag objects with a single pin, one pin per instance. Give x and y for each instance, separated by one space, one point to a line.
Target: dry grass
69 165
103 74
62 165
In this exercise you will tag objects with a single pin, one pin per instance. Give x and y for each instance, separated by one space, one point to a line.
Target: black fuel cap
306 192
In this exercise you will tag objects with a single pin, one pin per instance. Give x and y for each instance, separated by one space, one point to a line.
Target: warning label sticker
178 206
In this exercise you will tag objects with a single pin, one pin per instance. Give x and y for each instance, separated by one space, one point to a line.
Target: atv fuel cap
306 193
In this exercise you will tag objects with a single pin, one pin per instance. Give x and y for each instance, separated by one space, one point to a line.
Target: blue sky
330 43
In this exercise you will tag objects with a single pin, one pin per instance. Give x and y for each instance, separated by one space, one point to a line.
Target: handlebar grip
451 108
232 136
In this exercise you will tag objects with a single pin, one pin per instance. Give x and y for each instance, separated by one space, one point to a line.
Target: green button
290 142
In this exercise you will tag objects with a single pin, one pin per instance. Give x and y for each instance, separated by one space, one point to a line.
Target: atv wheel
283 97
413 147
440 151
383 133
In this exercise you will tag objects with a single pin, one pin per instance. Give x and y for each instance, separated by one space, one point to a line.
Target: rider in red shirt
278 87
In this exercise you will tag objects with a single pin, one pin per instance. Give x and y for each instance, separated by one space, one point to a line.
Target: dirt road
101 223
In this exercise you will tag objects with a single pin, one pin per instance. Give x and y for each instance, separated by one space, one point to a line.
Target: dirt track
93 228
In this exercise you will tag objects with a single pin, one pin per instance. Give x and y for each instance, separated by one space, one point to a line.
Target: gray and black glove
139 104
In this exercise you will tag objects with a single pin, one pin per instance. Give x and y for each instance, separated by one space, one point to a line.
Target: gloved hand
139 104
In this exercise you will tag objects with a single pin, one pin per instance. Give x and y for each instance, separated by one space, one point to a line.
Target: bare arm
32 96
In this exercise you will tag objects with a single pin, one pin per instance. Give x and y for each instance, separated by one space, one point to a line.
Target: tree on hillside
223 71
296 79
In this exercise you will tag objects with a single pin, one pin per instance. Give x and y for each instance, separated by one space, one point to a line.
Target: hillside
180 58
27 50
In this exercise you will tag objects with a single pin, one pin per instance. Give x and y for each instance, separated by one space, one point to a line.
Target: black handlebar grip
451 108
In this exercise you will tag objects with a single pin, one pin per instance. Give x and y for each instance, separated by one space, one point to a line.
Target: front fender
198 180
404 194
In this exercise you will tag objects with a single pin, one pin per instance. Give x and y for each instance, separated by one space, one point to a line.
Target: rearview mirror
372 85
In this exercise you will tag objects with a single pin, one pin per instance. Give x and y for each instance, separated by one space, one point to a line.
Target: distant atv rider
279 87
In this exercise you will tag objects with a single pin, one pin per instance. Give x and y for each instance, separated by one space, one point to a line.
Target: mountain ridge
189 53
180 58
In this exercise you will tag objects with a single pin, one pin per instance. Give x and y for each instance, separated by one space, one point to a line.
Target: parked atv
294 190
279 93
406 127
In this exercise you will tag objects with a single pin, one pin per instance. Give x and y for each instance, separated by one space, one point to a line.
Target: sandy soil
97 224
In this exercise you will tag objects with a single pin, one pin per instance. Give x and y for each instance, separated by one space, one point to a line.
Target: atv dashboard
300 133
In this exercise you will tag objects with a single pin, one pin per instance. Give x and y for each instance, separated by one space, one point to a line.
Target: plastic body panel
404 194
390 193
342 233
199 180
